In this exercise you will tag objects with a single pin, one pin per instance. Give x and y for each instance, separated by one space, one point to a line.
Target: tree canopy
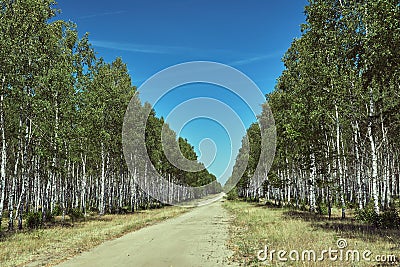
336 107
61 115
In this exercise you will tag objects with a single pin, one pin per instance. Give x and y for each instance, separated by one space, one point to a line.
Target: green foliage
93 209
351 205
387 219
75 214
322 209
124 209
247 160
271 204
156 152
344 66
6 214
232 195
49 218
367 214
63 111
303 207
291 206
34 220
57 211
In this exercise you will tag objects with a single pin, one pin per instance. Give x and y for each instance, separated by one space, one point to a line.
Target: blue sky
152 35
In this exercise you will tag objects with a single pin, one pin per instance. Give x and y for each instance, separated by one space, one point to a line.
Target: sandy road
196 238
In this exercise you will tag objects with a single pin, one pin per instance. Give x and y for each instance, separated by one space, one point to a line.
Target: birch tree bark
3 153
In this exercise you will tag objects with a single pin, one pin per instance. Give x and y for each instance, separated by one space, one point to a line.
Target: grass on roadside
256 226
53 245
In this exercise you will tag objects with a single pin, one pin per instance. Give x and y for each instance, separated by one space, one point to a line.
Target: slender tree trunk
102 181
385 166
339 164
11 195
374 156
313 173
3 154
24 160
83 184
133 190
357 167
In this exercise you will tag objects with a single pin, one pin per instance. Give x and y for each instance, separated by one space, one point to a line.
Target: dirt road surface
197 238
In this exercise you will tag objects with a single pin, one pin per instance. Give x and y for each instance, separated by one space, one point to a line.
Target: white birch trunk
83 185
358 166
3 155
339 164
374 157
313 173
102 181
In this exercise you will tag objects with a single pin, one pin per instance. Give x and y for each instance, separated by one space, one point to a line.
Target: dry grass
255 226
47 247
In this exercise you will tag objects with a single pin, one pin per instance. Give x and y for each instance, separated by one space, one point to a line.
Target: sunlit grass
53 245
254 226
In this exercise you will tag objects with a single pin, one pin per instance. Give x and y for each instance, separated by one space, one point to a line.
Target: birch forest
337 113
61 114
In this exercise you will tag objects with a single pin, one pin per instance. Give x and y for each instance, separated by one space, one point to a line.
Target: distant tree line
337 111
61 115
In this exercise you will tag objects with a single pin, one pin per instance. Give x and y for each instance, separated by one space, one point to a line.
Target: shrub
291 206
271 204
124 209
75 213
387 219
351 205
49 217
57 211
322 209
5 214
93 209
367 215
232 195
303 207
34 220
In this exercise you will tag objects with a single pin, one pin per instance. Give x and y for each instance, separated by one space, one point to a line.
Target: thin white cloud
131 47
177 50
157 49
103 14
255 59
